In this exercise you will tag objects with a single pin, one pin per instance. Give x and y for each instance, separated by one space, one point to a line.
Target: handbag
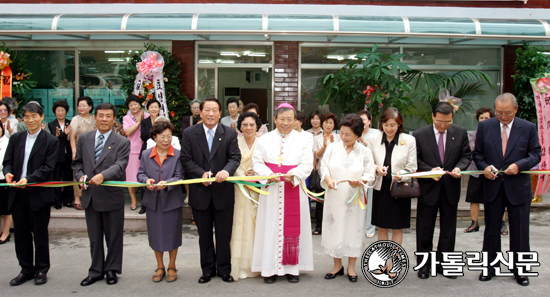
405 189
315 182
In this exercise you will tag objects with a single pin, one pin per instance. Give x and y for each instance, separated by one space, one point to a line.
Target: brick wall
184 52
286 73
518 4
508 67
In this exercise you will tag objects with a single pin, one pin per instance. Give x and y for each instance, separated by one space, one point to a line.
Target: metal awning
269 26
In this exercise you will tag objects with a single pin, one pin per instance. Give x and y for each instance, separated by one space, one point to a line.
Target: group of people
267 234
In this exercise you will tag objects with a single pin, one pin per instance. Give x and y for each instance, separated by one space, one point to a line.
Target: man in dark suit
211 150
60 127
439 146
102 155
511 144
30 158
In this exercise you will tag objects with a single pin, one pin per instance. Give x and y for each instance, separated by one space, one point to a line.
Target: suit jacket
146 126
523 149
172 196
403 157
196 160
64 153
111 163
457 154
39 167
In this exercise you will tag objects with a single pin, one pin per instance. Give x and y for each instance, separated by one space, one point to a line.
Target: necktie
441 148
210 139
504 139
98 146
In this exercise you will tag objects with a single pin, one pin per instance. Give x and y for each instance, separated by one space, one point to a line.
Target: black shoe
227 278
58 206
474 227
423 273
522 280
487 278
503 229
352 278
292 278
204 278
318 231
270 279
439 270
112 279
40 278
90 280
5 240
142 210
331 276
21 279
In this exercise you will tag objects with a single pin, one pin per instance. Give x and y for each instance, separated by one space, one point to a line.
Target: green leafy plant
468 85
530 63
178 103
370 80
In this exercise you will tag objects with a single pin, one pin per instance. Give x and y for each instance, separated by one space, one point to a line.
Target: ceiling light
114 52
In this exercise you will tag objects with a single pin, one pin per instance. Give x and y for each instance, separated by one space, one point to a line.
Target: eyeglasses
248 124
164 137
3 110
500 113
444 123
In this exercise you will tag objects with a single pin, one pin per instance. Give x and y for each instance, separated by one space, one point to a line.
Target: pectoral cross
280 159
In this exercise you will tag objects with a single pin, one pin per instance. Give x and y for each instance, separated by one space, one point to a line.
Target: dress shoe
21 279
333 275
474 227
90 280
352 278
5 240
270 279
423 273
439 270
40 278
487 278
227 278
292 278
58 206
522 280
142 210
112 279
204 278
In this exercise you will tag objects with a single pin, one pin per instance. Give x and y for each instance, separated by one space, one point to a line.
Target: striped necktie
98 147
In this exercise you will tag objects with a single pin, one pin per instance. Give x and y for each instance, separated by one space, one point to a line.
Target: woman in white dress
244 214
343 222
329 122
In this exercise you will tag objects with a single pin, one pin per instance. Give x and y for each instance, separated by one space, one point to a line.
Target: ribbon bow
4 59
445 96
543 84
150 62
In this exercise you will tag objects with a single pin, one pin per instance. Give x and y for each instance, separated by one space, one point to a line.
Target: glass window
451 56
301 22
54 73
336 55
206 87
234 54
229 22
371 24
101 75
311 86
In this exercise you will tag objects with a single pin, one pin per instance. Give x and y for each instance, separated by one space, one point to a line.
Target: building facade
267 52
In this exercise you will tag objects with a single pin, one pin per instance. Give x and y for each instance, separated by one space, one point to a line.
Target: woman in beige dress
244 214
82 123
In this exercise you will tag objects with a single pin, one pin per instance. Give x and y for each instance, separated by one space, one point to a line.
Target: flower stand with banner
541 89
154 73
15 80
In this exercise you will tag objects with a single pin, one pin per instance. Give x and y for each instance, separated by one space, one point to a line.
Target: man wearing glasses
441 146
510 144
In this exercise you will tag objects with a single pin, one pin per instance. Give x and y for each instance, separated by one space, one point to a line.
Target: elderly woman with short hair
160 165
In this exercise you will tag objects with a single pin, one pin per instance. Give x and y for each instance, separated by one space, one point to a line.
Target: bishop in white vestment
279 248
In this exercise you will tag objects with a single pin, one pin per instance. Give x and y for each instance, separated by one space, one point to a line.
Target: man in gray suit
102 155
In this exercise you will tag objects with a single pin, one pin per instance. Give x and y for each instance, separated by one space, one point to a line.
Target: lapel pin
220 139
109 147
453 138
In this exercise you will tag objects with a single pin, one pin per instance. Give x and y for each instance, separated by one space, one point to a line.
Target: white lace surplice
268 241
344 223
